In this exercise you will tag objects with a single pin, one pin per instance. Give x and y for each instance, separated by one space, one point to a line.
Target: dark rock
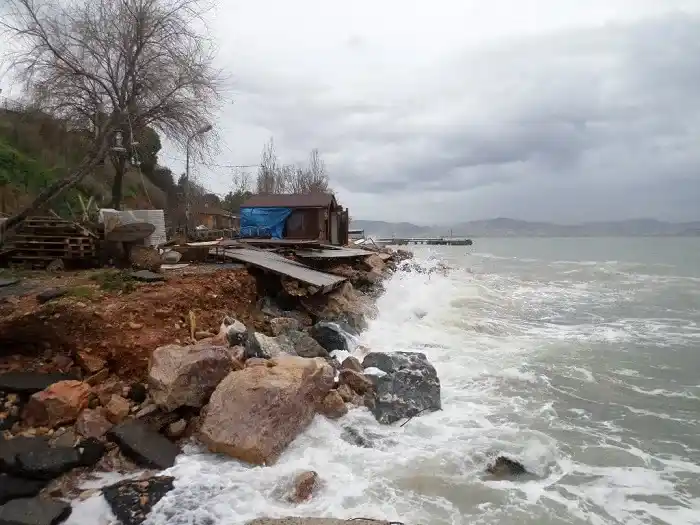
147 276
12 488
305 345
132 500
46 464
91 451
409 388
51 293
355 437
11 448
352 363
266 347
8 421
34 511
143 445
30 382
137 393
330 336
505 467
8 282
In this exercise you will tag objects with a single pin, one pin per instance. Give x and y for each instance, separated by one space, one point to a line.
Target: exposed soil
121 326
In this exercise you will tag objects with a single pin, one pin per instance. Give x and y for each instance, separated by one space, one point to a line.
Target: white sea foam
513 359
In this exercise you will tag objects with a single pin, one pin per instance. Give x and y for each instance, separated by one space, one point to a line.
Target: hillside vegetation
36 150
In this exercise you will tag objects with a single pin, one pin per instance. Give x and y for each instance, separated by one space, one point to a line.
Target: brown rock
90 363
255 413
258 361
357 382
58 404
282 325
374 262
92 423
106 389
98 377
352 363
304 485
187 375
333 406
117 409
177 429
64 438
346 393
203 334
62 362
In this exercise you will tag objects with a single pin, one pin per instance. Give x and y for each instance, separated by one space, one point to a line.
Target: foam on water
512 357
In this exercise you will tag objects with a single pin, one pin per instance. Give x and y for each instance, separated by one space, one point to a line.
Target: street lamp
201 131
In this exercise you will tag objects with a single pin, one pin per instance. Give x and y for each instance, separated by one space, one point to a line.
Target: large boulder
144 445
330 336
255 413
187 375
58 404
304 345
233 331
333 406
284 325
34 511
344 305
266 347
409 388
131 500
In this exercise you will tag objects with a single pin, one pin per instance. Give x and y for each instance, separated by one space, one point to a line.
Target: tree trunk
117 187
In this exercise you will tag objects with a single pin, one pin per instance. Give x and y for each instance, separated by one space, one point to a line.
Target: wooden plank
282 242
281 266
339 253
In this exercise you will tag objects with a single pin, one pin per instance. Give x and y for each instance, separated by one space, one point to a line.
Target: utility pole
204 129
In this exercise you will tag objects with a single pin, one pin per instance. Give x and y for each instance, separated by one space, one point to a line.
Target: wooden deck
281 266
333 253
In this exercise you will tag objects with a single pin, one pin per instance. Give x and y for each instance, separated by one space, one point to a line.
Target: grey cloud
555 126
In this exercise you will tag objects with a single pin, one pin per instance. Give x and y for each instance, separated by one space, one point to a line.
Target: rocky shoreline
245 390
241 392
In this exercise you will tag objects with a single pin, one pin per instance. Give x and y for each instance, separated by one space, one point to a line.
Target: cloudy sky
438 111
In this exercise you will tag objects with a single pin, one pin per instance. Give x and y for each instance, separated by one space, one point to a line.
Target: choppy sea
579 357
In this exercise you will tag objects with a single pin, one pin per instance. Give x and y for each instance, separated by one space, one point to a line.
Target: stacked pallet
40 240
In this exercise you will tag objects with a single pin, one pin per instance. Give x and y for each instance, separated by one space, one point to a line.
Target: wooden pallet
40 240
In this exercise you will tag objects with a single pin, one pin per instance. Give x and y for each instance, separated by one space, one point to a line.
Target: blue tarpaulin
264 222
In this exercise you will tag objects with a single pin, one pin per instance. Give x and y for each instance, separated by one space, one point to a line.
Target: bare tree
267 178
316 179
117 66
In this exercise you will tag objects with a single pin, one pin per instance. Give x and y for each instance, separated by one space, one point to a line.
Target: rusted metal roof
289 200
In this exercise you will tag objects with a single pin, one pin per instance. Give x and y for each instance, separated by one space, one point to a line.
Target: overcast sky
438 111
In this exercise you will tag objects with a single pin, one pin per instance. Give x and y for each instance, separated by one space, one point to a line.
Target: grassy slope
35 151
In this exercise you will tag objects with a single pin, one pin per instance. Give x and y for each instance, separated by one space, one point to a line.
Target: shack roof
212 210
290 200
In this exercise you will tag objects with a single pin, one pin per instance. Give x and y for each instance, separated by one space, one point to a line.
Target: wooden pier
431 241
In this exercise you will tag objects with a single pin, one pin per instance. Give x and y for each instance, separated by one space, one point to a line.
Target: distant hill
504 227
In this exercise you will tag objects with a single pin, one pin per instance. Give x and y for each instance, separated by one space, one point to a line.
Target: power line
212 165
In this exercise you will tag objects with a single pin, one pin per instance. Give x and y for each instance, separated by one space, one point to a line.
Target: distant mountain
504 227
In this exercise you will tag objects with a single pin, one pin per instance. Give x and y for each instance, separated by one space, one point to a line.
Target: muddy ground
109 315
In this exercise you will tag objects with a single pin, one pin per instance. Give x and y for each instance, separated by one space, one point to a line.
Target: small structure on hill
313 216
214 217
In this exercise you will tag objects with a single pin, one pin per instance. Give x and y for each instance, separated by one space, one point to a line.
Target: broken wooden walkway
277 264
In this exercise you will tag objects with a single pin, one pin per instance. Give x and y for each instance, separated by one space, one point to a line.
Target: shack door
334 228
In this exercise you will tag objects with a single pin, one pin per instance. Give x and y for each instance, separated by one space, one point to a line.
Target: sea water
578 357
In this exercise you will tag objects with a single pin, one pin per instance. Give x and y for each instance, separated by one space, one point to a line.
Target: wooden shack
214 217
314 216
